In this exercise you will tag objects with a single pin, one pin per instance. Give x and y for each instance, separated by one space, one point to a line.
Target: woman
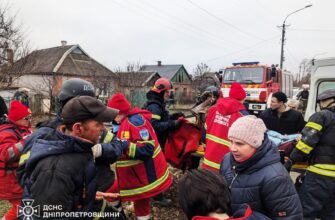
254 173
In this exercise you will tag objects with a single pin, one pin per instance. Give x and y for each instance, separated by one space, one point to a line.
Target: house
43 71
201 82
177 74
135 85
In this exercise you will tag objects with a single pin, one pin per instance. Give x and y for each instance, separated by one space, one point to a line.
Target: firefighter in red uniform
142 172
219 119
12 135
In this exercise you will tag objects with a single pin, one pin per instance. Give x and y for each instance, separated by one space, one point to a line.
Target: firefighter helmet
328 94
214 90
162 84
75 87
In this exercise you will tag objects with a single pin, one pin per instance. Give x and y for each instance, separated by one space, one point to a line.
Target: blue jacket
61 171
263 183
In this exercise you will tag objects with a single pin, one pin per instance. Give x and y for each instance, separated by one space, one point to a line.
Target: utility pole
282 58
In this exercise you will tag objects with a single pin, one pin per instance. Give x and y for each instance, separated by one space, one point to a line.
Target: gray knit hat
248 129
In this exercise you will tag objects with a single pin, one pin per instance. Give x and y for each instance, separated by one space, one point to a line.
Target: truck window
246 75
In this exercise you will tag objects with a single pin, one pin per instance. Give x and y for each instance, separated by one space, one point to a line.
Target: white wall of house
36 83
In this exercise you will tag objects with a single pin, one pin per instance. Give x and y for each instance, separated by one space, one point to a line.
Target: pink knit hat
248 129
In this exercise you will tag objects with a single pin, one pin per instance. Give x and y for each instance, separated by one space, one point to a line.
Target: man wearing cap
317 146
254 173
279 117
12 136
219 118
60 170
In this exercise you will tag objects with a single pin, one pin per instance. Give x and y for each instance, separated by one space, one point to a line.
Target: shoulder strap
11 129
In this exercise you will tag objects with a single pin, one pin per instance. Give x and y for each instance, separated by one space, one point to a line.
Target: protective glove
178 122
288 165
176 115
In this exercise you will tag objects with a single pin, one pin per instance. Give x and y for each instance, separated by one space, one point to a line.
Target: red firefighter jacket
219 119
11 145
141 175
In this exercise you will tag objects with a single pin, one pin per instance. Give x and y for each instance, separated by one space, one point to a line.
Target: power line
319 30
223 21
238 51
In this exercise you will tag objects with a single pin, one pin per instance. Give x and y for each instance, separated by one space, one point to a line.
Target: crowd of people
66 163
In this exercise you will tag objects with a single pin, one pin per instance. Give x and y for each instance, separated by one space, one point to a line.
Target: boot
161 201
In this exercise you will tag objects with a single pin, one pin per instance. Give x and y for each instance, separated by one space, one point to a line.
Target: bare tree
200 69
133 66
12 46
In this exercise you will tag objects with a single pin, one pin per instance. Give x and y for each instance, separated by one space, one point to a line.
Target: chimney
64 43
159 63
10 56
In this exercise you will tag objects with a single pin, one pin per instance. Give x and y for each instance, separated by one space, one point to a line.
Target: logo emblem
144 133
28 210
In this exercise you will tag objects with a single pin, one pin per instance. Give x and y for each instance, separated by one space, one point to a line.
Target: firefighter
317 146
12 136
219 118
162 121
142 172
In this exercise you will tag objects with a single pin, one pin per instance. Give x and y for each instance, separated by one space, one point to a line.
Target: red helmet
162 84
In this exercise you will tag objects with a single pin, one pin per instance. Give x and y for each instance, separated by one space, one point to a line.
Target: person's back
219 118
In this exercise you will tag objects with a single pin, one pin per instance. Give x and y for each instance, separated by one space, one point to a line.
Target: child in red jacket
12 135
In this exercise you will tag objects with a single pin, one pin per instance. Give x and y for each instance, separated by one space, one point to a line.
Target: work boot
161 201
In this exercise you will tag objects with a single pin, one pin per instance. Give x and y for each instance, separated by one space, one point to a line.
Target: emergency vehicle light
246 63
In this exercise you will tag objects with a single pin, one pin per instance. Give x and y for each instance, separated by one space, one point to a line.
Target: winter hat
237 92
119 102
280 96
17 111
249 129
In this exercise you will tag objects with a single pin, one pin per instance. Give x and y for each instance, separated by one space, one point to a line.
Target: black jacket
290 122
61 171
263 183
318 135
160 121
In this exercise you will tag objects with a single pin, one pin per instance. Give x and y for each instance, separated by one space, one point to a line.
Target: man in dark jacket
254 173
280 118
317 192
161 121
60 171
3 109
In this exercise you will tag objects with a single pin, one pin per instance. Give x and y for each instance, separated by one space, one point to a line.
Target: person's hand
176 115
100 195
178 122
288 164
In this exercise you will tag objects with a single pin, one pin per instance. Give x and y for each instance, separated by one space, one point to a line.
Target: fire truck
259 81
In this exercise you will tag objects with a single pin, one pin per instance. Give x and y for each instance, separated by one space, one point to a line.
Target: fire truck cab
259 81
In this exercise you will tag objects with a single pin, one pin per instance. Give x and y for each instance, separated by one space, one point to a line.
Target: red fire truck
260 82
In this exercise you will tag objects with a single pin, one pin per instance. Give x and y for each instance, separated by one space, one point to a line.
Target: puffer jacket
263 183
60 170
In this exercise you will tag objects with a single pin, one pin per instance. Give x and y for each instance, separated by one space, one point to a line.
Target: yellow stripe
304 147
24 158
205 126
323 169
314 125
158 149
211 164
108 138
249 86
218 140
128 163
132 150
104 203
156 117
146 188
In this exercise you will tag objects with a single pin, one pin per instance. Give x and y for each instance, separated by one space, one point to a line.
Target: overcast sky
216 32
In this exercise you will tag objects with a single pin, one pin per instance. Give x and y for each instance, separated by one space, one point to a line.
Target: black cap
280 96
82 108
330 93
